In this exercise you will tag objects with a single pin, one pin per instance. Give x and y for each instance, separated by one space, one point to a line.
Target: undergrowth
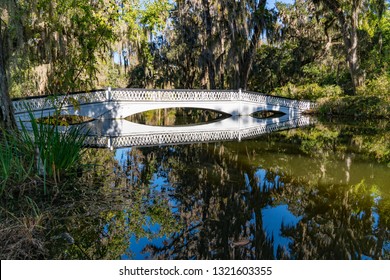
35 163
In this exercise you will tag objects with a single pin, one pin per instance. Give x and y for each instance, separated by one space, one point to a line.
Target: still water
177 117
320 192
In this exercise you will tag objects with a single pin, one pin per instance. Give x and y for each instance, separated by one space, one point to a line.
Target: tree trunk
357 76
353 59
350 37
245 64
7 119
209 54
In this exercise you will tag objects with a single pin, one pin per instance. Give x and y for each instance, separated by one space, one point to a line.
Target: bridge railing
176 95
276 100
172 95
206 95
51 102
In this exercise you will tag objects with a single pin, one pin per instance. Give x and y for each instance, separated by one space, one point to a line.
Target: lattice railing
52 102
172 95
184 137
117 95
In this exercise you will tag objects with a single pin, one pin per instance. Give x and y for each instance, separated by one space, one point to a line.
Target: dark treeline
309 49
245 44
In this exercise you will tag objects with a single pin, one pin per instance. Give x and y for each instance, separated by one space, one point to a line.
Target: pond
177 117
319 192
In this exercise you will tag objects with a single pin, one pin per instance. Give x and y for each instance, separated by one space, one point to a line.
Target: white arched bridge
109 107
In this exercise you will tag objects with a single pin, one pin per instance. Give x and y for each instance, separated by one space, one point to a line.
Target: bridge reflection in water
109 108
105 133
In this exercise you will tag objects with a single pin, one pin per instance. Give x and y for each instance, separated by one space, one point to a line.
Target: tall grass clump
15 164
55 151
35 162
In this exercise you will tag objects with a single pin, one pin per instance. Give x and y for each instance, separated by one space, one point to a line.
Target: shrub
308 91
358 107
379 86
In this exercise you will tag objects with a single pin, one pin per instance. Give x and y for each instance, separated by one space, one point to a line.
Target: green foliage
60 44
91 32
187 44
16 164
358 107
155 14
371 102
375 41
44 151
325 74
308 91
143 23
379 86
310 46
301 52
273 67
111 75
203 44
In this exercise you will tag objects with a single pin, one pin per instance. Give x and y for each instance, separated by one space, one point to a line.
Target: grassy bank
35 165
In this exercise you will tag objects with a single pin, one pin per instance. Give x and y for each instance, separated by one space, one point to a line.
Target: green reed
55 151
15 163
39 150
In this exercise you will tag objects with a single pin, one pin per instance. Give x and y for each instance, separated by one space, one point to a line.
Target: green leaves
65 38
155 14
15 164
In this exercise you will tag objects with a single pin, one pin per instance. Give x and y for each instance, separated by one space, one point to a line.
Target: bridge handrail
173 95
49 102
160 95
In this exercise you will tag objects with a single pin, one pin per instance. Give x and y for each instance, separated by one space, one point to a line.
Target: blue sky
271 3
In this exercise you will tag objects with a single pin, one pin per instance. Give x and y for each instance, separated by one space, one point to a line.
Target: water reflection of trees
220 200
220 215
366 139
176 116
338 222
95 215
88 221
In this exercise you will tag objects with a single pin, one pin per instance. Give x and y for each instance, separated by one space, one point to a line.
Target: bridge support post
239 126
240 102
108 94
109 143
